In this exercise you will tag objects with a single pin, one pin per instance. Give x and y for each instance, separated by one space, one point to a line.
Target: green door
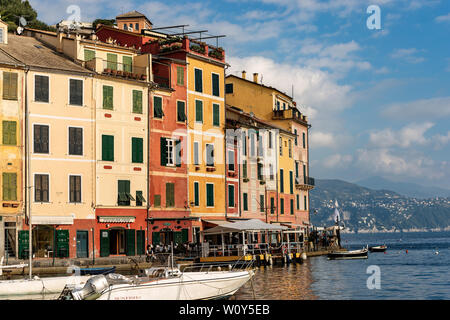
177 237
155 238
23 244
104 243
185 235
62 243
140 242
131 242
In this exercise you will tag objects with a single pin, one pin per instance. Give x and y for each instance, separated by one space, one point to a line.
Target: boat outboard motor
92 289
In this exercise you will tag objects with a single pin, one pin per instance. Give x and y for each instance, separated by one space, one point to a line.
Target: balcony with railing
305 183
127 71
291 113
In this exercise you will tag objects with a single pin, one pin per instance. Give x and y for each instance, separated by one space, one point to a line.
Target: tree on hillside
12 10
106 22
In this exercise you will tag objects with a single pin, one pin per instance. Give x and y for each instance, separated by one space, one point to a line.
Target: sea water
416 265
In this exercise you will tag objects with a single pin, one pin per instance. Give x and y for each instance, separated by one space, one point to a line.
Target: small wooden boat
354 254
378 248
95 271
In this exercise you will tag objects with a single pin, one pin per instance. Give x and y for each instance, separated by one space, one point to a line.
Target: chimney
255 77
244 74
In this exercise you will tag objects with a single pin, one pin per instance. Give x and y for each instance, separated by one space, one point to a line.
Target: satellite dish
19 30
22 21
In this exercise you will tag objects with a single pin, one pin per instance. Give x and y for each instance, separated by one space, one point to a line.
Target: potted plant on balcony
216 53
143 77
246 179
199 48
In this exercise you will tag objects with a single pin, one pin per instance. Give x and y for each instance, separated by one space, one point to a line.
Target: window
281 146
244 169
137 101
41 188
261 203
260 171
199 111
215 85
1 35
281 181
304 140
298 202
41 138
157 200
252 144
9 186
231 203
76 92
76 141
245 201
127 63
180 76
305 203
290 148
196 194
271 171
281 206
270 139
244 143
304 174
157 107
230 160
139 198
295 132
296 169
216 115
209 195
89 55
10 81
260 146
75 189
136 26
292 206
111 61
196 158
209 154
41 89
170 152
137 150
170 195
107 148
229 88
291 182
108 94
272 205
198 80
181 114
124 195
9 133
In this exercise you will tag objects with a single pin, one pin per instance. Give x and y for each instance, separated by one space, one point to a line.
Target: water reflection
292 282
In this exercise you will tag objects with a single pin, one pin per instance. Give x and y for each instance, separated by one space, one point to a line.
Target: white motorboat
13 289
161 284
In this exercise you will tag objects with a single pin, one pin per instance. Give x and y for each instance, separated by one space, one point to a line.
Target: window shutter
157 200
216 115
108 94
180 76
292 206
9 133
198 80
137 101
163 152
111 61
13 86
281 206
107 148
281 181
196 159
215 85
210 195
198 111
157 107
196 194
170 195
178 153
231 196
9 186
127 63
244 169
245 198
89 55
291 182
261 203
181 115
10 85
41 88
137 154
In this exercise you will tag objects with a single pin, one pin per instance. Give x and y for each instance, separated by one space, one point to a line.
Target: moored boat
378 248
161 284
354 254
96 271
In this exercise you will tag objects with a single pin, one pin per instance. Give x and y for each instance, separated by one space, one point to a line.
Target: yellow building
278 108
11 147
206 123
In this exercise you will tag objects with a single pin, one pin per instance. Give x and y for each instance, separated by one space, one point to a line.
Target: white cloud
322 139
412 134
338 161
425 109
445 18
408 55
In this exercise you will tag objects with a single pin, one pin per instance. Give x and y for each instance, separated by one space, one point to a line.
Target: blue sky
378 100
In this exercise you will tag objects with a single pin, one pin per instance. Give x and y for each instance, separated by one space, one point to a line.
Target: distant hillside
364 209
413 190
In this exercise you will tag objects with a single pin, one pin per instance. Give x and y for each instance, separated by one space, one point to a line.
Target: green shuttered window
180 76
107 148
124 196
199 111
281 206
170 195
111 61
41 88
245 201
127 64
198 80
196 194
137 101
89 55
9 186
108 94
181 114
137 150
10 81
157 107
41 136
215 85
262 205
292 206
272 205
231 196
209 195
281 181
291 182
9 133
216 115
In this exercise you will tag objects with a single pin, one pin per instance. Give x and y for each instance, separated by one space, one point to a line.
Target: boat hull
189 286
377 249
39 286
357 254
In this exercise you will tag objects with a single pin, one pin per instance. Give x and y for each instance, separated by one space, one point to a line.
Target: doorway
82 244
117 241
10 239
166 236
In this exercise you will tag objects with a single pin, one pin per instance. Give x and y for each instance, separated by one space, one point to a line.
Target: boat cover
244 225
